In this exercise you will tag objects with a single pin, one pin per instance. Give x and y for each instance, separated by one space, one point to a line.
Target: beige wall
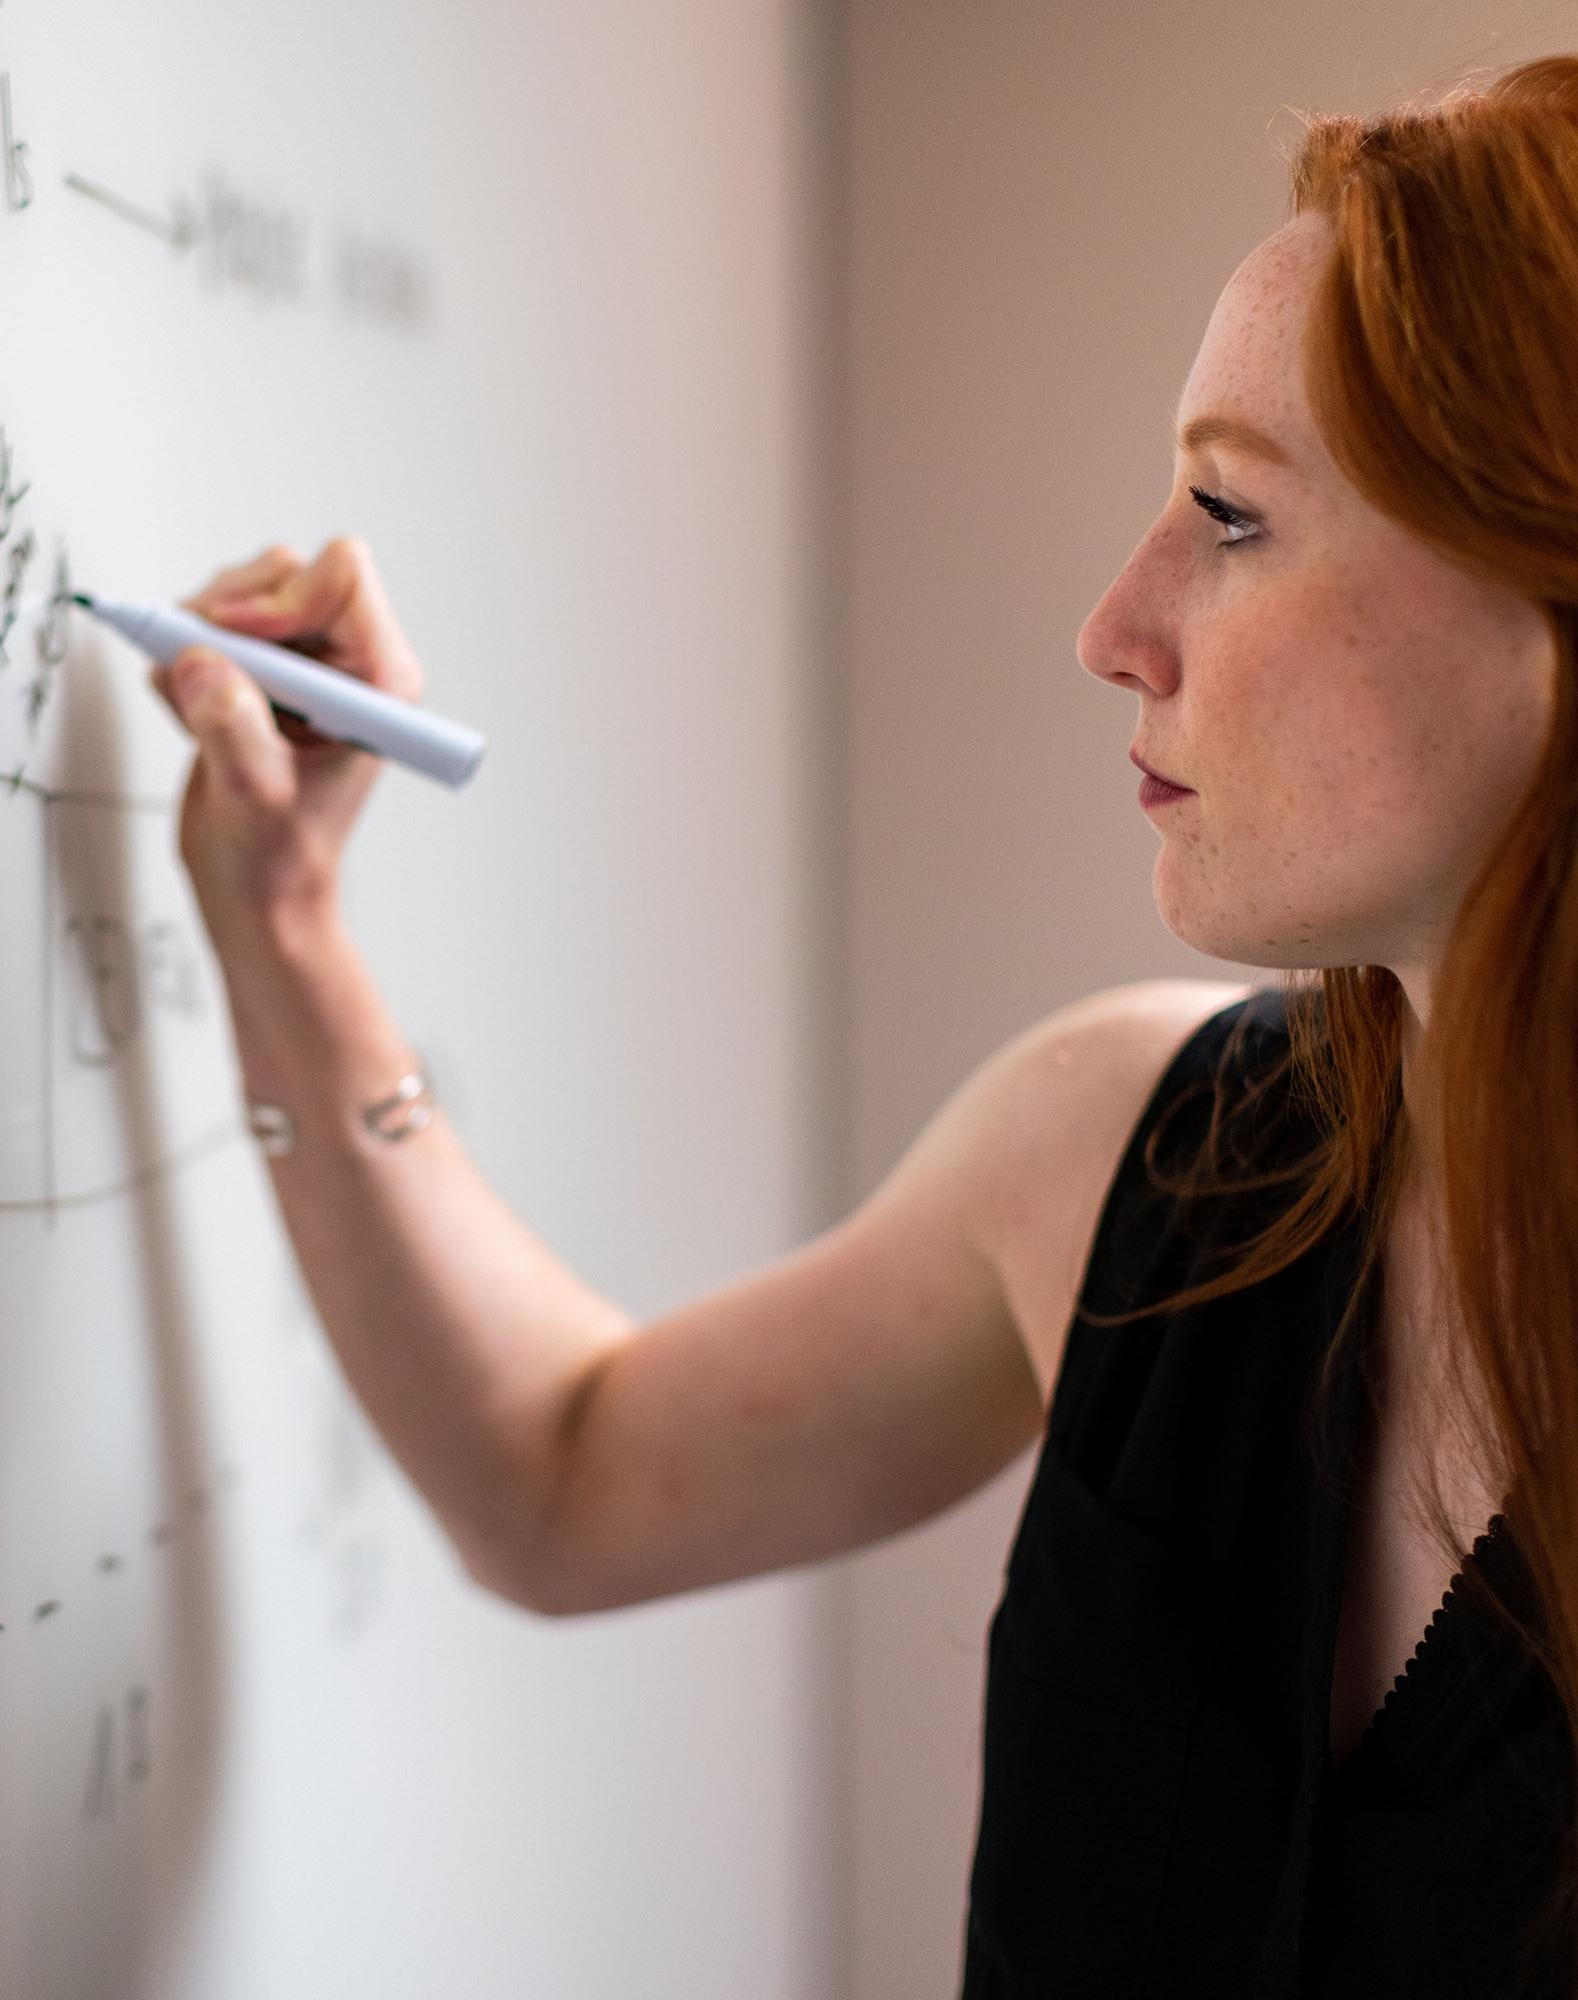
1044 202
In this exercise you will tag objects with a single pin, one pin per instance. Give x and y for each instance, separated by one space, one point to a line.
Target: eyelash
1230 517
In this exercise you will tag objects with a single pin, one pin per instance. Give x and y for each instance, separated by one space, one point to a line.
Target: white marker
336 704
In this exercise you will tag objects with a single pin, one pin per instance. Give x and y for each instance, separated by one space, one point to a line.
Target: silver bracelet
275 1130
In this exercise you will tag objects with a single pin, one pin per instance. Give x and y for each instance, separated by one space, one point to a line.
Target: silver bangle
275 1130
413 1094
271 1127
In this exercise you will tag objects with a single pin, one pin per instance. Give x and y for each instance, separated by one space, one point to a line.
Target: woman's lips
1160 776
1156 792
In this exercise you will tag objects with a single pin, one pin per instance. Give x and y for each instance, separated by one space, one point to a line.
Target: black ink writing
247 245
105 1758
378 281
119 975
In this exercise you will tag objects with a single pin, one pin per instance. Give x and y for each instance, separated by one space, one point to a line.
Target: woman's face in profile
1356 715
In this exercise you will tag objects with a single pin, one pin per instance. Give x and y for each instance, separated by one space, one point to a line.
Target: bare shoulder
1085 1076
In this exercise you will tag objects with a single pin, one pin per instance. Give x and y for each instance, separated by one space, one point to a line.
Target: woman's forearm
460 1333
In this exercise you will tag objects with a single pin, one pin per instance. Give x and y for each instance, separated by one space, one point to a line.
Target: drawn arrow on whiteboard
180 229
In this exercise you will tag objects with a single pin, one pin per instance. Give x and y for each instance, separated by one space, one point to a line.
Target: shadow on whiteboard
113 1673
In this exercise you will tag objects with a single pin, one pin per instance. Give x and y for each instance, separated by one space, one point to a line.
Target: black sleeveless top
1159 1812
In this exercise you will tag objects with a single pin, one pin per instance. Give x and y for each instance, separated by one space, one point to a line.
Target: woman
1282 1682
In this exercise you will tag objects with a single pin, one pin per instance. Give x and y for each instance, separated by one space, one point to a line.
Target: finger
294 732
264 572
338 599
228 714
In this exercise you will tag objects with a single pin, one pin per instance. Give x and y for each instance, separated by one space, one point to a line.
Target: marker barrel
336 704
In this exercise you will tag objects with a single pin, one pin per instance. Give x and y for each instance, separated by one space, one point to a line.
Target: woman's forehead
1249 367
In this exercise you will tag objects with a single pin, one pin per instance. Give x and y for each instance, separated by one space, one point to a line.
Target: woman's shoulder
1103 1062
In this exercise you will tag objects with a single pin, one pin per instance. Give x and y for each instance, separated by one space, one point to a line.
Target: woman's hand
270 803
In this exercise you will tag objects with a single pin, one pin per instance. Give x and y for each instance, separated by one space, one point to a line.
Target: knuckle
268 801
347 555
254 781
193 672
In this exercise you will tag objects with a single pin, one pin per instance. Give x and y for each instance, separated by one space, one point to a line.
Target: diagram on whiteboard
83 983
181 1461
104 975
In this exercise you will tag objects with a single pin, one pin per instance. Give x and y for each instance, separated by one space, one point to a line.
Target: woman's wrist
283 929
313 1035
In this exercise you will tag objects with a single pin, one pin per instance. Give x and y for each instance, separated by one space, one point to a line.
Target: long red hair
1441 367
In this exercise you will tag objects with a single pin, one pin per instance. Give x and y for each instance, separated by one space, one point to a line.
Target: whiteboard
507 291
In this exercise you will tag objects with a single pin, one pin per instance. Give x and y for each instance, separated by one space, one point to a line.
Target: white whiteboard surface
511 293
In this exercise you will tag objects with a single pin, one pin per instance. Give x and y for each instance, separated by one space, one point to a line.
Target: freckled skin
1358 716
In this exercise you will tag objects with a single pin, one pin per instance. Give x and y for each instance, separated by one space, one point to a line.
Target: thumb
229 715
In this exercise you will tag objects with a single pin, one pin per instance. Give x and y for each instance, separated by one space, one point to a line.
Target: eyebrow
1200 433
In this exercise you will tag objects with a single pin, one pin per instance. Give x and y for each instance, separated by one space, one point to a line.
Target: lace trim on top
1416 1666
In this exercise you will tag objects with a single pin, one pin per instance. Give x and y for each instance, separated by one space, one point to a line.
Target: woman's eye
1230 517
